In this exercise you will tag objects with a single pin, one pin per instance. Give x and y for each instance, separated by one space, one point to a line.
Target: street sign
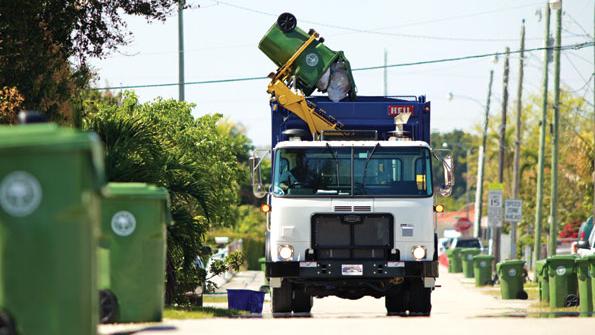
513 210
495 207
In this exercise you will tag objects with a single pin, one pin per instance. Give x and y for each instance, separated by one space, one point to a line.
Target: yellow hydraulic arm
295 101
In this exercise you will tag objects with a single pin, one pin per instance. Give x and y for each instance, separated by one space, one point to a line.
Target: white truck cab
352 219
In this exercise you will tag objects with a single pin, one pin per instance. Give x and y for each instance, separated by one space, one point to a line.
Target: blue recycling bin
245 300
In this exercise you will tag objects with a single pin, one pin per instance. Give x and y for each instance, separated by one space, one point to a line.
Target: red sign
462 224
394 110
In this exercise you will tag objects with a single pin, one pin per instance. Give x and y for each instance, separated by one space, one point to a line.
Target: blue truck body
363 113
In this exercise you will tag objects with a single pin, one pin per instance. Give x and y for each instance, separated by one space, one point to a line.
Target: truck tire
281 298
302 301
395 301
420 301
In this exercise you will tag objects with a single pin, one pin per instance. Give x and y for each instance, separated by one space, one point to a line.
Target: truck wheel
281 298
396 301
302 301
420 302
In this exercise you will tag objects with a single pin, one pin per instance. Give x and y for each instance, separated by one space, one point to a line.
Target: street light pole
516 184
181 95
482 151
541 157
556 5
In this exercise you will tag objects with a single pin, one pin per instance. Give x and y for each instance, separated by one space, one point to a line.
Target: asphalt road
458 308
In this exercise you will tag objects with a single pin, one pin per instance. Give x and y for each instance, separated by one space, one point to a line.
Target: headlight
285 252
419 252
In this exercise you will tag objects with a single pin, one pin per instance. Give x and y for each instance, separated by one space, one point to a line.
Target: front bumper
335 269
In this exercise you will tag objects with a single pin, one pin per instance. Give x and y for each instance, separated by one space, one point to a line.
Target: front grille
352 236
343 208
362 208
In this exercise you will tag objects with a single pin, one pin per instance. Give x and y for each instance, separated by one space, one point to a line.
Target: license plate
308 264
352 269
395 264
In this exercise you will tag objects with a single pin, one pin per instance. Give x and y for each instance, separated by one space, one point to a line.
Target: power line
574 67
434 61
373 32
577 24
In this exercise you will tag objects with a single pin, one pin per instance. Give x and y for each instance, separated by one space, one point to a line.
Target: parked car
466 242
590 246
584 232
195 297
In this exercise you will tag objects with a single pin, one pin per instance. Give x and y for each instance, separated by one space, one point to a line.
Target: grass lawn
193 312
214 298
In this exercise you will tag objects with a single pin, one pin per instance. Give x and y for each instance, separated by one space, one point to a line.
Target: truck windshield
357 171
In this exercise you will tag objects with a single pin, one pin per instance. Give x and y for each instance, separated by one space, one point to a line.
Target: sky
221 39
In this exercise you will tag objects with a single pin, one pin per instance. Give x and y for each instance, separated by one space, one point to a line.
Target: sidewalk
249 280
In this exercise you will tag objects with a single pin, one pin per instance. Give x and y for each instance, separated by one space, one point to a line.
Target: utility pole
467 183
181 50
501 157
516 184
482 150
541 158
556 5
385 73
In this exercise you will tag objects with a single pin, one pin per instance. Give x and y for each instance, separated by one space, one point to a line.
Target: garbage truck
351 203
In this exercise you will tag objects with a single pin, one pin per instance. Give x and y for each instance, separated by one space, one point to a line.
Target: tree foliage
162 143
10 103
576 154
44 45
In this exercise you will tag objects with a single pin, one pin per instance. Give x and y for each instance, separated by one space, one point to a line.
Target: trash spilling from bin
245 300
317 67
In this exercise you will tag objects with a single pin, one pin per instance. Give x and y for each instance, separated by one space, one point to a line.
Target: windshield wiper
365 173
330 150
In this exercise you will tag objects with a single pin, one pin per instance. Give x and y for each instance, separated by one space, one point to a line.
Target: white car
591 249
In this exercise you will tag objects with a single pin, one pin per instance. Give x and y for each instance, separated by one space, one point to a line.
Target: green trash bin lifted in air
284 39
467 255
454 260
543 280
482 269
132 252
584 285
50 179
562 281
510 274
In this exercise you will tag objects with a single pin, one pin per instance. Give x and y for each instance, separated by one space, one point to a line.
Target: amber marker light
265 208
439 208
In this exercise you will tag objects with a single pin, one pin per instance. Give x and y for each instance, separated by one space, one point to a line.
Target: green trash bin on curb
454 260
563 281
510 274
50 178
467 255
284 39
543 280
584 285
262 262
591 260
131 252
482 269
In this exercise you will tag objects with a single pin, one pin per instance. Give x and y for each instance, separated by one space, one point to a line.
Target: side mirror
258 189
449 181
